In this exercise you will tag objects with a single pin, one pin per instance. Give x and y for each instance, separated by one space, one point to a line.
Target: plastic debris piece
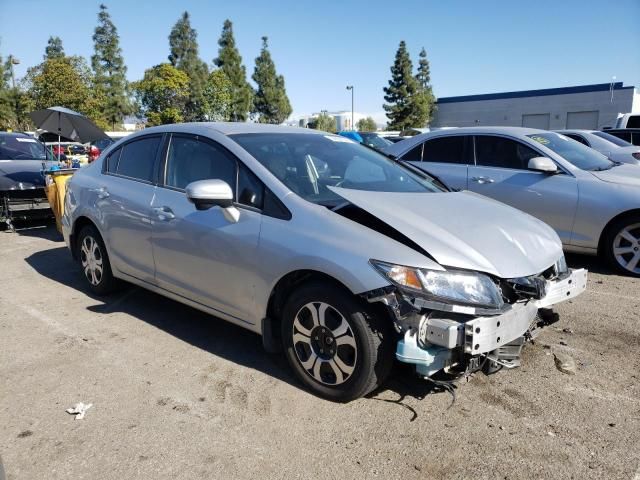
79 410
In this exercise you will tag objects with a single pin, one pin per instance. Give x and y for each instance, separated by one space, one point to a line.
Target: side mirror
205 194
542 164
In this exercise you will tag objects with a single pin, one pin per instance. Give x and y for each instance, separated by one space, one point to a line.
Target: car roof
229 128
400 147
576 130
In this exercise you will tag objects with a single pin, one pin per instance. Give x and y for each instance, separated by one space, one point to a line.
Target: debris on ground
564 363
79 410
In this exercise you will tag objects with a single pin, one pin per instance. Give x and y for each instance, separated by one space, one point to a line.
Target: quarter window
112 161
190 160
250 188
503 152
451 149
137 159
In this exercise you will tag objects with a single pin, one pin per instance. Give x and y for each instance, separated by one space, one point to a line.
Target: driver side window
502 152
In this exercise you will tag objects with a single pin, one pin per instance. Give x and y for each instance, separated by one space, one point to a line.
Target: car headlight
453 287
561 266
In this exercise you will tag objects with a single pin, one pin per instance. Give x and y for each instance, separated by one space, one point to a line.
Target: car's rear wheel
333 342
92 255
622 246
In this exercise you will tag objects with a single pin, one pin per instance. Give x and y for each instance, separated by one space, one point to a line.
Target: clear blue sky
320 47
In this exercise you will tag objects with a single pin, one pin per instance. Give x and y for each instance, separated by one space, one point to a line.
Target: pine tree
230 62
183 42
402 87
54 48
270 102
423 100
110 81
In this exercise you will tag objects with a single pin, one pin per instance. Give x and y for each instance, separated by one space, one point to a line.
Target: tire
94 260
621 246
335 346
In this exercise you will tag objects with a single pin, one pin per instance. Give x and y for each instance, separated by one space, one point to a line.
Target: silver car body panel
578 204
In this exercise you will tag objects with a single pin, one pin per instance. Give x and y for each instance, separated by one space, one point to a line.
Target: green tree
66 82
230 62
217 97
110 72
270 102
324 122
423 100
54 48
162 94
398 94
367 125
7 100
183 43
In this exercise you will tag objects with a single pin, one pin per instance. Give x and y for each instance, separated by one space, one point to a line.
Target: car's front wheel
333 342
93 258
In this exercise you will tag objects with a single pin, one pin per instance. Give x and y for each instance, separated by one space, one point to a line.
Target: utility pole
350 87
13 61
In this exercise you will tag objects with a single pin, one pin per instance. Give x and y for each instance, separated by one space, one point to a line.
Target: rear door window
502 152
451 149
137 159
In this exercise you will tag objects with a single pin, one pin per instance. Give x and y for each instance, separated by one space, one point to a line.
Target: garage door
584 120
536 120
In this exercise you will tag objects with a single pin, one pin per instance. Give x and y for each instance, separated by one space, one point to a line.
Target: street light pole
350 87
13 61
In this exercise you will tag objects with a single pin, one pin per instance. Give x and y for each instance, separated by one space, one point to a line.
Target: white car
614 148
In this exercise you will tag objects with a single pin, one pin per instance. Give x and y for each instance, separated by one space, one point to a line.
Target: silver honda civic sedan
592 202
332 252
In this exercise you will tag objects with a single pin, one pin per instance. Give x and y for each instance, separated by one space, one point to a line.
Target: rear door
501 173
446 157
124 198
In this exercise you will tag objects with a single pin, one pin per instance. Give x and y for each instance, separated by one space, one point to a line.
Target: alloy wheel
91 260
324 343
626 248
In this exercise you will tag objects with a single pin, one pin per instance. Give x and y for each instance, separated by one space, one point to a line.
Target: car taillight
636 155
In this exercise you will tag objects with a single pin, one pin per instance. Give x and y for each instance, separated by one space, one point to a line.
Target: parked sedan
22 195
591 202
340 266
612 147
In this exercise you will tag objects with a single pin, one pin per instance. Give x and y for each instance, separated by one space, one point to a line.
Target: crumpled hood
26 172
465 230
623 174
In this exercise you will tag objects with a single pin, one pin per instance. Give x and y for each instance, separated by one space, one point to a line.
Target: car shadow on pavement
45 230
216 336
590 262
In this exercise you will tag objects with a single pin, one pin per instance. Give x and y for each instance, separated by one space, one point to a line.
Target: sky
473 47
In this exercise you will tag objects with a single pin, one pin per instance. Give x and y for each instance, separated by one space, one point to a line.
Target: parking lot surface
179 394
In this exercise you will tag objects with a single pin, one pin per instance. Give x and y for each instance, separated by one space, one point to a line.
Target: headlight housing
463 288
561 266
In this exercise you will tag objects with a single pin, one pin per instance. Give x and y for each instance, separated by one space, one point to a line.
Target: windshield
374 140
610 138
14 147
578 154
309 164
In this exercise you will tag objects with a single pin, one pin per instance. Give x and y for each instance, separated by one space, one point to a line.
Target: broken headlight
452 287
561 266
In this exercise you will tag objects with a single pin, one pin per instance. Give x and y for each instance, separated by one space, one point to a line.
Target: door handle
101 192
482 180
164 213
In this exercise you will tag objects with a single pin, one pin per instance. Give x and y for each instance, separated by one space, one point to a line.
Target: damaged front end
460 322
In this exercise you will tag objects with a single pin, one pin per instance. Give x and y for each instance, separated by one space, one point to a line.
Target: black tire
612 241
363 354
104 282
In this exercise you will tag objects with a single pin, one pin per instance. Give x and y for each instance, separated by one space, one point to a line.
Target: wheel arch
270 328
79 223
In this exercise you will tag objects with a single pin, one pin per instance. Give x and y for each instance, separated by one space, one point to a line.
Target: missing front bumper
442 340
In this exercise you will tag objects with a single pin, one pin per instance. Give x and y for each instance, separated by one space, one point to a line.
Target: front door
199 254
501 173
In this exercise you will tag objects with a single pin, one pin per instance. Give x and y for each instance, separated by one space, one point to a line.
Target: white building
585 106
343 119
